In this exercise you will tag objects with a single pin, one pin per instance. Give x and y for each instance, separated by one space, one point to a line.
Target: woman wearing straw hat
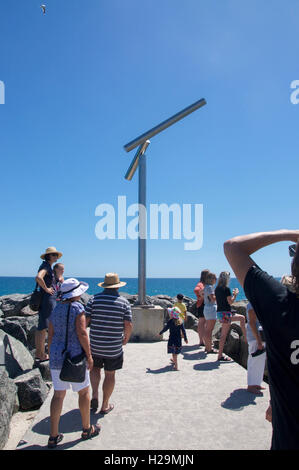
77 340
45 279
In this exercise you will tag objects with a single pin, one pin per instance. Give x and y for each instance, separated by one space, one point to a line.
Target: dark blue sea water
154 286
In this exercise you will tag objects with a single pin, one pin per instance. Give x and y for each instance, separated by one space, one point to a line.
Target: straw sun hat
51 251
112 281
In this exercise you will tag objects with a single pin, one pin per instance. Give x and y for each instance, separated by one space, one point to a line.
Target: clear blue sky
89 76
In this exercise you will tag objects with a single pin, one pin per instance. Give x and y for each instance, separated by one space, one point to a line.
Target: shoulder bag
73 368
36 299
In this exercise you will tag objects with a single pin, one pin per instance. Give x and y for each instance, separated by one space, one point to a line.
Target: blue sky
89 76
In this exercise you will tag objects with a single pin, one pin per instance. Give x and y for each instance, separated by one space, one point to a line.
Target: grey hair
224 278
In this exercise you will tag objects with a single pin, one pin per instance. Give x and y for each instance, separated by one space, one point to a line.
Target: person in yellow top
182 307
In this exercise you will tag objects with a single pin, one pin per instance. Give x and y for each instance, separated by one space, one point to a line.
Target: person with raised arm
277 309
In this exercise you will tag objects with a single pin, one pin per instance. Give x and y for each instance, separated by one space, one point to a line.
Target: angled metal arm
134 164
163 125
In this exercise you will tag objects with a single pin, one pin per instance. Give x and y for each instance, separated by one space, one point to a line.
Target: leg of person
108 387
241 319
55 412
110 366
89 430
47 306
224 330
175 361
209 326
253 372
255 368
40 339
84 407
95 378
200 330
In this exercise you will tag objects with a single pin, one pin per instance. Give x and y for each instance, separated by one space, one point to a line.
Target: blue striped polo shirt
107 311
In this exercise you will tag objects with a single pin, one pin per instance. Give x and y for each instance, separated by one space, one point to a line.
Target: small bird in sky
43 7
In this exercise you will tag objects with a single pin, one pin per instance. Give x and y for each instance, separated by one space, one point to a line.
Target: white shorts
60 385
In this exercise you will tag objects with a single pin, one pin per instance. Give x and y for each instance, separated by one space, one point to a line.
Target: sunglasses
292 250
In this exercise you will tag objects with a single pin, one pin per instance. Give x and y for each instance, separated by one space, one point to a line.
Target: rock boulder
14 329
16 358
29 325
32 390
8 405
11 305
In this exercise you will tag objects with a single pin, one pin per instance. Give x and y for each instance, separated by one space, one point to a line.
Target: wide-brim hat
51 251
72 288
112 281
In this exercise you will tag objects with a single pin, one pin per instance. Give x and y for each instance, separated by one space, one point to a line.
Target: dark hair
295 269
203 275
180 296
47 257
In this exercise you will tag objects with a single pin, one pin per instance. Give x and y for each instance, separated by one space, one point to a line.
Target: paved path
204 405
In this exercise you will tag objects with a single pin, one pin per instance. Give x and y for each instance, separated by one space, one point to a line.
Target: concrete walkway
204 405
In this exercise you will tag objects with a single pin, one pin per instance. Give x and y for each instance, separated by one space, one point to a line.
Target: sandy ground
19 424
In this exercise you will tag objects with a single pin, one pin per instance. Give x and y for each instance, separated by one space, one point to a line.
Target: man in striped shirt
110 319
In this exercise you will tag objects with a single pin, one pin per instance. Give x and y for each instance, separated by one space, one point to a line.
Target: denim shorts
47 306
210 312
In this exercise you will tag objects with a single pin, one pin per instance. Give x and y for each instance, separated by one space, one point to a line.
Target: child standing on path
182 307
175 326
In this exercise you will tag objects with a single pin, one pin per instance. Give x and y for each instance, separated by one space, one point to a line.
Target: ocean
154 286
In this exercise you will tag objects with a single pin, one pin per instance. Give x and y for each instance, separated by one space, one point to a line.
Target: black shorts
200 311
109 363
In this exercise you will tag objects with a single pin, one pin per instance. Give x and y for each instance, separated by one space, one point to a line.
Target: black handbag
73 368
36 299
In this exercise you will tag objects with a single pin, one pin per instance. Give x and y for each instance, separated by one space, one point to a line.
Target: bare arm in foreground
238 250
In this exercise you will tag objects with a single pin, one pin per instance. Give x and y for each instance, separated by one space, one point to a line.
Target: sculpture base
148 321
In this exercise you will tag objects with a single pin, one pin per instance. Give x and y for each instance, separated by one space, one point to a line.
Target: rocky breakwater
23 382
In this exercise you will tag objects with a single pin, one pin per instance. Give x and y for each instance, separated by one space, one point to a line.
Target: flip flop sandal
224 359
93 431
212 351
105 412
37 359
53 441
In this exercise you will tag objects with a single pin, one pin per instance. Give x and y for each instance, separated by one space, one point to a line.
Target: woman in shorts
225 299
46 281
77 340
209 311
198 291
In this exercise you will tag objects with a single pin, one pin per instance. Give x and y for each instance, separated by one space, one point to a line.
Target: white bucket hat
72 288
